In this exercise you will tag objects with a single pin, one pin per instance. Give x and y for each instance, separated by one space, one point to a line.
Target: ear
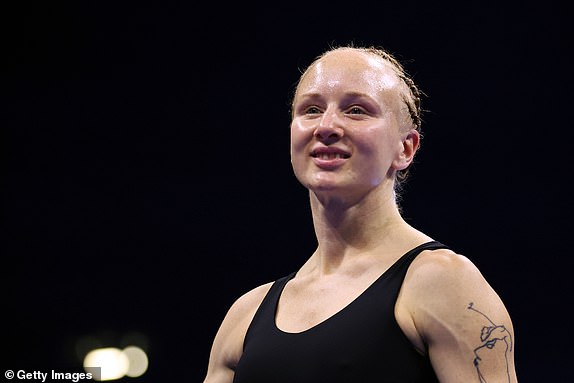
409 145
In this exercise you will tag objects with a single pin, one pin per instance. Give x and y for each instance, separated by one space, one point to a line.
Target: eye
312 110
355 109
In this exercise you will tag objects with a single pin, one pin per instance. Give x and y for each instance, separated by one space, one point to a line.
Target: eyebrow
365 100
346 96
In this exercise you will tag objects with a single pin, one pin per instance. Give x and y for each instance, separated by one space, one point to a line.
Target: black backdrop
147 183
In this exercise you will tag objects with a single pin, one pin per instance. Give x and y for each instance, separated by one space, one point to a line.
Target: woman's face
349 130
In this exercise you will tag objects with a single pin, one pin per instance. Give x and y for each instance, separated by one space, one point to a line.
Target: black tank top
362 343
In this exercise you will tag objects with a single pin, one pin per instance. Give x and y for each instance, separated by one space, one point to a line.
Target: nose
329 128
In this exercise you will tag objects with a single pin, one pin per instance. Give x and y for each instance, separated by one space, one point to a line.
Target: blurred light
138 361
113 362
134 338
132 361
85 344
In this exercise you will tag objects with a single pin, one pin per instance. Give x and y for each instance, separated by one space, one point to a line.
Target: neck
345 230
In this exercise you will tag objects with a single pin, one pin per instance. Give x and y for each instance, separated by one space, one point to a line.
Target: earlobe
409 147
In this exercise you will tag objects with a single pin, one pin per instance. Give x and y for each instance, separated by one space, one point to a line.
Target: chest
305 304
347 339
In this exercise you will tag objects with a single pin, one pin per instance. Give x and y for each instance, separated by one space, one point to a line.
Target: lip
329 157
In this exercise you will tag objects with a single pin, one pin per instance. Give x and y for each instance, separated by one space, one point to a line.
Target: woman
378 300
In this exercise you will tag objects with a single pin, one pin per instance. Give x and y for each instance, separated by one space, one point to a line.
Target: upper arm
461 319
227 345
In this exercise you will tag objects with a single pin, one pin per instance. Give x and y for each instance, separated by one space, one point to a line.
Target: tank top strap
401 266
264 318
431 245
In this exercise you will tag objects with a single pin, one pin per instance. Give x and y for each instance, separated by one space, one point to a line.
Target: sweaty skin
351 132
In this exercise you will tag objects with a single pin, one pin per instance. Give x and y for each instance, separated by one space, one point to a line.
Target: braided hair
412 99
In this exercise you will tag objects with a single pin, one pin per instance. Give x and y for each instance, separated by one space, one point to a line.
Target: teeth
330 156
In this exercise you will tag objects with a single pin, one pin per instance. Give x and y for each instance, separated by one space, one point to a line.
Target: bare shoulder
459 317
227 346
435 260
241 312
248 303
449 274
441 268
443 282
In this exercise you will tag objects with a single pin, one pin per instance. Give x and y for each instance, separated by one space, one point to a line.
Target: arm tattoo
495 338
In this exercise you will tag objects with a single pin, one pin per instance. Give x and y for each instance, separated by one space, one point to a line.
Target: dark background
146 177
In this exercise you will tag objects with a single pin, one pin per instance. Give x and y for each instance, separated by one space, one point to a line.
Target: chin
330 190
322 183
323 188
325 182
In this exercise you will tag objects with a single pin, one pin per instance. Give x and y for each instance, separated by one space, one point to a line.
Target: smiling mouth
330 156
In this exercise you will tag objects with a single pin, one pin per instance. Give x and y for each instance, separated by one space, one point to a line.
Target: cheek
377 146
300 136
369 141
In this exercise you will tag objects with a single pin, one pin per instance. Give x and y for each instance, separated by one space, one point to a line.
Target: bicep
219 368
465 324
475 343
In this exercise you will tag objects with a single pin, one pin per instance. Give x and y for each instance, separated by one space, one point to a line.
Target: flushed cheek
300 138
300 160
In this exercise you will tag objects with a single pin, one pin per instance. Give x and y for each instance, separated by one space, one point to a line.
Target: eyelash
312 110
352 110
356 109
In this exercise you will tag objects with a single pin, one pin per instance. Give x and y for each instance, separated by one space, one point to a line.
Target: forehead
349 70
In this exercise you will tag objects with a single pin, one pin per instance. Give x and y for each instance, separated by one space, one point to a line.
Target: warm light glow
113 362
138 361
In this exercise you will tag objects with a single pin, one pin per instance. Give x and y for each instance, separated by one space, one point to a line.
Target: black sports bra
362 343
